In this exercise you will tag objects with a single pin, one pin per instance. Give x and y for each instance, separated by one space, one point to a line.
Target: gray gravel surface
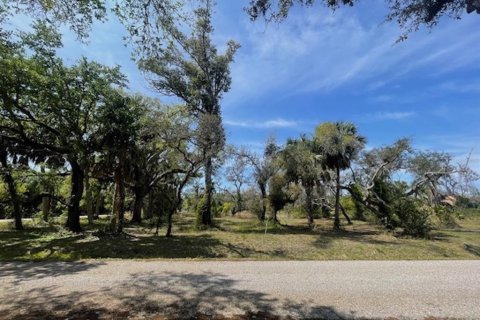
297 289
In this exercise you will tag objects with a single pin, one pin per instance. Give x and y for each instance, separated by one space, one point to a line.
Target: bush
201 207
295 211
467 203
360 210
198 212
445 217
227 208
414 217
216 208
349 205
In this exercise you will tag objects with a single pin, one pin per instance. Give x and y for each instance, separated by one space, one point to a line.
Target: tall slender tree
338 144
188 66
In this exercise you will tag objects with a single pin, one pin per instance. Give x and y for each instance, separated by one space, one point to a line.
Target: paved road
332 289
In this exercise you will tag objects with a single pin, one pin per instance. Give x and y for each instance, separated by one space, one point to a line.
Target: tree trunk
118 208
170 215
263 191
346 215
174 208
159 221
88 198
98 203
336 224
274 215
73 220
149 211
46 201
12 190
239 206
206 210
46 204
138 206
309 206
169 223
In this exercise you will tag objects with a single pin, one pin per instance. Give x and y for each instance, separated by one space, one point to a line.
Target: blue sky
323 66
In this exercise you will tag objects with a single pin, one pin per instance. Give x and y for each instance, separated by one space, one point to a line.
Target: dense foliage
75 142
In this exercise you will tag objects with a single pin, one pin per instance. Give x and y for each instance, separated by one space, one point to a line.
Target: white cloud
268 124
382 98
393 115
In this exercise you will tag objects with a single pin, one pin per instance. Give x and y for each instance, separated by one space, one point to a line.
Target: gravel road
299 289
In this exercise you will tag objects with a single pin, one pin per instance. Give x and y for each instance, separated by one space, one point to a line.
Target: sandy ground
285 289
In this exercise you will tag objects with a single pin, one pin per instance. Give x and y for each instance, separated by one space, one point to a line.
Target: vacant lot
241 237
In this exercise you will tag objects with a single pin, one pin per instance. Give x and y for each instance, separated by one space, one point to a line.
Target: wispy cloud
316 50
461 87
268 124
382 98
393 115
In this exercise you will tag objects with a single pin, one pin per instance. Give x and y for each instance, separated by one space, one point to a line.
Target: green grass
240 238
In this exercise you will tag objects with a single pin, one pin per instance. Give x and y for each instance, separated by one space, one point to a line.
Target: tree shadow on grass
326 238
36 245
24 244
273 228
42 245
170 295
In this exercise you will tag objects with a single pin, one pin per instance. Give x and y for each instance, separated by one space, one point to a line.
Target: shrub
227 208
445 217
216 208
349 205
360 210
198 212
201 206
414 217
295 211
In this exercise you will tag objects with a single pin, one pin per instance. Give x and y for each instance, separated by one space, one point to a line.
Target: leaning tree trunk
309 205
73 220
12 190
206 210
118 208
345 214
138 205
336 224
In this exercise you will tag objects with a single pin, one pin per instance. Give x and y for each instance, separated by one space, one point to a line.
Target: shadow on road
160 296
25 271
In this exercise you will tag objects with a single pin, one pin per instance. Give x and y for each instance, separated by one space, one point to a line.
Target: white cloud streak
394 115
268 124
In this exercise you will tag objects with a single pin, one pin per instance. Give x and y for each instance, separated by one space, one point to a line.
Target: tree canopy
410 15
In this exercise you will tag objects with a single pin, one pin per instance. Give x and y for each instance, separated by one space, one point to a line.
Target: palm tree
338 144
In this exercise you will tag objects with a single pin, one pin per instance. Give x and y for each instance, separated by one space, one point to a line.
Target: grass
242 237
